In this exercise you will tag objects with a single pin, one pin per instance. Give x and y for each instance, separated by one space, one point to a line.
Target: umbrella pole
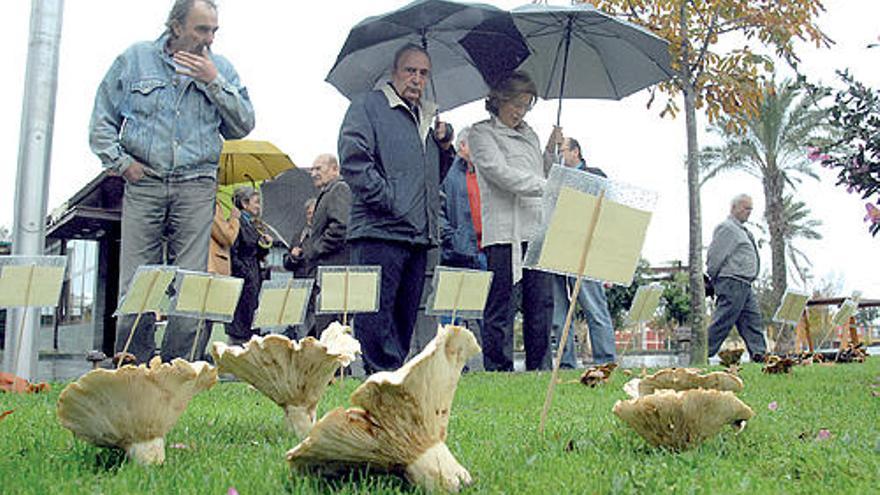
431 78
568 28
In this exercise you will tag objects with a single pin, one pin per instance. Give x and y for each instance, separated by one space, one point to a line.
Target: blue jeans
594 303
386 335
171 218
738 305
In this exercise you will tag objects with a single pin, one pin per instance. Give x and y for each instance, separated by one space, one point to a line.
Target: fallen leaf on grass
6 413
773 406
18 385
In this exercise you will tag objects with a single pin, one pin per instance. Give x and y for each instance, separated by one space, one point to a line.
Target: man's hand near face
199 67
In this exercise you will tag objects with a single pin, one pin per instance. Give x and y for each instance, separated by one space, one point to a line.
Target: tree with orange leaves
719 82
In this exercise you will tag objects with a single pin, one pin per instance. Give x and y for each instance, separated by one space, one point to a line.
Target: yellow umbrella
246 161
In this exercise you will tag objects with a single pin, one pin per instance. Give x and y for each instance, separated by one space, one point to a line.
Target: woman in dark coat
248 251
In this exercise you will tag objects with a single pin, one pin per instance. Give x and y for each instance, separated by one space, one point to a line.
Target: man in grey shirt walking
733 265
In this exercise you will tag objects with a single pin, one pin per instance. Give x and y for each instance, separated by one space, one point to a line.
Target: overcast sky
283 50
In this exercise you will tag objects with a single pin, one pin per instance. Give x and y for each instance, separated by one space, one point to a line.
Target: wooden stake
192 353
345 299
284 304
806 318
24 312
564 338
137 320
457 297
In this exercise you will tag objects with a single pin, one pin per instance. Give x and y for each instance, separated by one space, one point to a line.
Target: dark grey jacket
326 244
394 167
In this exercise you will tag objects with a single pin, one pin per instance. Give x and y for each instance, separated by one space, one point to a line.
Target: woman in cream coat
511 173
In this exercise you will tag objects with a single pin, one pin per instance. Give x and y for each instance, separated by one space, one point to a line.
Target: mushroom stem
300 419
147 453
437 469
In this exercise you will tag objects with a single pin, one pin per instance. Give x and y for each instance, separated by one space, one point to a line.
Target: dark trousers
385 336
537 308
738 305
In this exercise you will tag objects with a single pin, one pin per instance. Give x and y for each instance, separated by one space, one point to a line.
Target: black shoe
757 358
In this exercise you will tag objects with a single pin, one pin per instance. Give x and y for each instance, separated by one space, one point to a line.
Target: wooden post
137 320
577 288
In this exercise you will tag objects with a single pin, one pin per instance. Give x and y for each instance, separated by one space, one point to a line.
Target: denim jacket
171 123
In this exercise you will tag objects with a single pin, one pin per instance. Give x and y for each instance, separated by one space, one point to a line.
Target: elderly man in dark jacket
326 246
394 161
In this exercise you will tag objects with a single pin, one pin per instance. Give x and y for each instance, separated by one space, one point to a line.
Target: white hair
739 198
463 136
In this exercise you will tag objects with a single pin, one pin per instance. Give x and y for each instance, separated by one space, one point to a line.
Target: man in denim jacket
159 120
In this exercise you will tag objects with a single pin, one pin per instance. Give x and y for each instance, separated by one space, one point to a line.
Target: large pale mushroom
133 407
292 374
681 420
683 379
399 420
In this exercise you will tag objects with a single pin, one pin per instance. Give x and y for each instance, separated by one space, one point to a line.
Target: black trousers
537 309
386 335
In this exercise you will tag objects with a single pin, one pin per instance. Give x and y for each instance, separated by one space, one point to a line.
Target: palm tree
797 226
772 147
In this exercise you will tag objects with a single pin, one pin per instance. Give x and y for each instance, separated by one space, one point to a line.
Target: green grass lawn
231 436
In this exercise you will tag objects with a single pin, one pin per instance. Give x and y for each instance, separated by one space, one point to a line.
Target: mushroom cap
777 365
397 418
132 404
687 379
681 420
290 373
339 340
730 357
595 375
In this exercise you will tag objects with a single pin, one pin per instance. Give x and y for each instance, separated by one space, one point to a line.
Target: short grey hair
739 198
463 136
181 9
310 203
243 194
407 48
328 158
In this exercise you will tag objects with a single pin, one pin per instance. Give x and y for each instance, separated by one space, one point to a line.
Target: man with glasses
394 162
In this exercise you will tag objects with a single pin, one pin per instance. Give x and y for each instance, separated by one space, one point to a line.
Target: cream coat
510 171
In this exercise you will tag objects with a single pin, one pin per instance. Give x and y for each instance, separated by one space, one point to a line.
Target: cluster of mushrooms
134 407
397 422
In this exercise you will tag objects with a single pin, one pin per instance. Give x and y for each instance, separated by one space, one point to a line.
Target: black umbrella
579 51
470 46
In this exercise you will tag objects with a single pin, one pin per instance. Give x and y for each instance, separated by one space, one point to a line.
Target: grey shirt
733 253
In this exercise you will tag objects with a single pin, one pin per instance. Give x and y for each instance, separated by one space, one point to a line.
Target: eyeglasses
523 107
